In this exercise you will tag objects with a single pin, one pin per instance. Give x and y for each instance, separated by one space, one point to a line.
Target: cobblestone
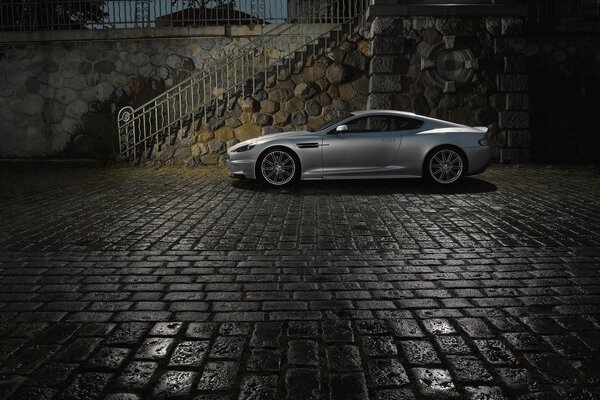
174 384
135 283
379 346
303 384
264 360
435 382
218 375
420 352
87 385
227 347
388 372
189 354
343 358
469 369
348 387
154 348
136 375
109 358
303 352
259 387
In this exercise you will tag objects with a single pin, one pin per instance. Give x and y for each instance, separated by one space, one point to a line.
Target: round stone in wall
449 64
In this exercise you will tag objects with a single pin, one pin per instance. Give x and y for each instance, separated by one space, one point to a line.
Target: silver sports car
365 145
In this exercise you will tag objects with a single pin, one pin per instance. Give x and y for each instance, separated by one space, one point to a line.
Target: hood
268 138
272 136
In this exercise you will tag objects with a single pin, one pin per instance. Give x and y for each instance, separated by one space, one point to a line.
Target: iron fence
564 11
52 15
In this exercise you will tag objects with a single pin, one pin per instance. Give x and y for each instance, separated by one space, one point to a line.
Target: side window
383 124
357 125
404 124
369 124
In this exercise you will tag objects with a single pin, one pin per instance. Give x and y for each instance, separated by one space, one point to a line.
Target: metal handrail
193 98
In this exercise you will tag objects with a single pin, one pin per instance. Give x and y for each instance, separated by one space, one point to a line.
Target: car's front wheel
278 167
445 166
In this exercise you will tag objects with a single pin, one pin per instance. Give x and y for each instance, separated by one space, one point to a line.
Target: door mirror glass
341 128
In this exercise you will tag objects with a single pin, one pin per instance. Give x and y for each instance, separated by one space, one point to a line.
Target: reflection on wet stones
353 290
435 382
189 354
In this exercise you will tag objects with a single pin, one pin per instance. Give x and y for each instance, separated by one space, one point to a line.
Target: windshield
331 123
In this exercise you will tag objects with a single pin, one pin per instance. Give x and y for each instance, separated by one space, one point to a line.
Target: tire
445 166
278 166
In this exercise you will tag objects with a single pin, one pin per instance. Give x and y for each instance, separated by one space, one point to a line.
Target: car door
367 147
409 159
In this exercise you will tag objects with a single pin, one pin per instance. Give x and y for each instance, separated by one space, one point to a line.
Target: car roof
391 112
403 114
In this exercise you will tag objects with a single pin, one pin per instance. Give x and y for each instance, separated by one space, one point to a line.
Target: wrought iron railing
564 11
51 15
239 72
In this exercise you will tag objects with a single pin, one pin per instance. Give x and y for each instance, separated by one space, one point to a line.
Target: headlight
484 142
245 148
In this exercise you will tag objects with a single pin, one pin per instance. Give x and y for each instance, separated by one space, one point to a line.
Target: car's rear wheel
278 167
445 166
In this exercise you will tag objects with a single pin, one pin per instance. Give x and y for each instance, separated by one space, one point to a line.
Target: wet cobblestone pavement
134 283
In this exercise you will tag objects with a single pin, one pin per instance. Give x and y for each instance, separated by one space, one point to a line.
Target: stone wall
60 98
314 92
564 84
469 70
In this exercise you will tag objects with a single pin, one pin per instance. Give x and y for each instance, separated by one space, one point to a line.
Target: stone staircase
245 94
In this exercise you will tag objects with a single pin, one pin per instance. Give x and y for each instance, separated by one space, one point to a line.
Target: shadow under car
467 185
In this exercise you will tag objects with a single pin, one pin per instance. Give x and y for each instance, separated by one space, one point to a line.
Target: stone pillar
512 84
388 65
465 64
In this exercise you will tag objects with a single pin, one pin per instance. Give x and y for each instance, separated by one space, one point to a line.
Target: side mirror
341 128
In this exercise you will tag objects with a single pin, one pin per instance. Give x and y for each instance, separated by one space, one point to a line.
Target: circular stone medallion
449 64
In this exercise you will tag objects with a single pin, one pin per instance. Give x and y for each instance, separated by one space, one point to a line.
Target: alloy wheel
446 166
278 168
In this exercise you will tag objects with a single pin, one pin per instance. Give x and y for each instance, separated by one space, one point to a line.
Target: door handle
388 140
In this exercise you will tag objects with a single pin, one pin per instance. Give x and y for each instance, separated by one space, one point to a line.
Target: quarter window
405 124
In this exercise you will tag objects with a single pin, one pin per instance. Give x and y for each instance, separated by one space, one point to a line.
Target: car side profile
371 144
